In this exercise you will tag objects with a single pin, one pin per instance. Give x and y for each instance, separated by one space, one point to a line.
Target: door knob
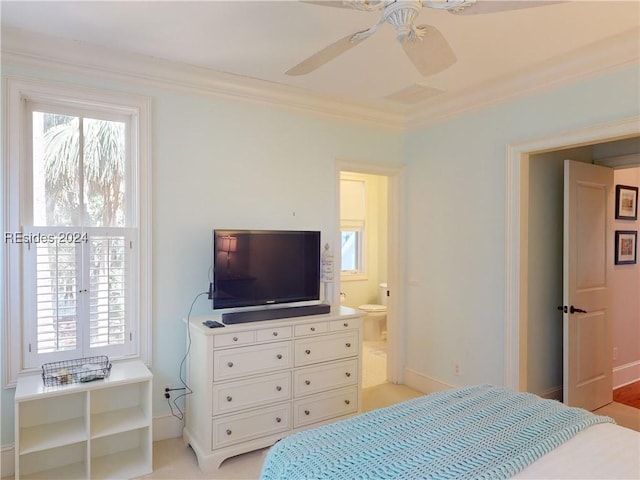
570 309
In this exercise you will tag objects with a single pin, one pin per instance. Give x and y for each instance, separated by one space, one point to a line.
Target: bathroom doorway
368 235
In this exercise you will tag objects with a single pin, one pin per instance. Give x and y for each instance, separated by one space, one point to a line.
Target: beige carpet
374 363
623 415
172 460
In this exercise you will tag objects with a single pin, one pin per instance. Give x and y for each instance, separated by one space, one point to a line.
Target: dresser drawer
325 377
326 347
229 339
239 362
237 395
325 406
276 333
238 428
340 325
311 328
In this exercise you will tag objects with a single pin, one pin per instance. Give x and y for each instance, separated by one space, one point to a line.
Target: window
352 226
352 236
79 239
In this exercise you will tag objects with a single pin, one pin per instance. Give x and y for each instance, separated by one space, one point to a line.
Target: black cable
188 391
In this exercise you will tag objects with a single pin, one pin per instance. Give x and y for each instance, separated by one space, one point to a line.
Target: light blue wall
456 221
218 163
223 164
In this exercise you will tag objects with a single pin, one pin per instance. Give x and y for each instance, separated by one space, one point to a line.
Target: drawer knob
347 402
278 419
348 345
228 432
348 374
278 388
229 398
279 356
235 339
313 329
345 324
307 412
307 382
229 364
275 334
308 352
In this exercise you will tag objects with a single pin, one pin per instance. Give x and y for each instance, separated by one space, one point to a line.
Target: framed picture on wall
626 247
626 202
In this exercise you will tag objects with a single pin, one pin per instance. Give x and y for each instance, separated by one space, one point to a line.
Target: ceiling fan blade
493 6
430 54
325 55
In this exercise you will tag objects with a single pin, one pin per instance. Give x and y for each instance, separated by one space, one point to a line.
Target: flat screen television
264 267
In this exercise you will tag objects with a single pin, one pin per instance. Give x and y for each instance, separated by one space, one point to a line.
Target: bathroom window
352 239
352 226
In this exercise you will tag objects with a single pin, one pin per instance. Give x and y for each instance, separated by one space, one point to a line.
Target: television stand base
273 313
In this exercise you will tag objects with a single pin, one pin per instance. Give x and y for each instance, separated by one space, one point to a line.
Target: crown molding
24 48
598 58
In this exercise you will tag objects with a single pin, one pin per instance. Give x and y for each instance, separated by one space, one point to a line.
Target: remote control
212 324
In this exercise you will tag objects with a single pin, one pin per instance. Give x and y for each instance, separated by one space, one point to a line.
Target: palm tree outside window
78 272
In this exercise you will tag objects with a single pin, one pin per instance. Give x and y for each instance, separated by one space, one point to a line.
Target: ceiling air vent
414 94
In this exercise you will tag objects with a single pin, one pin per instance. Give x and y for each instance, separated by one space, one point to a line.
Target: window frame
360 272
358 225
17 202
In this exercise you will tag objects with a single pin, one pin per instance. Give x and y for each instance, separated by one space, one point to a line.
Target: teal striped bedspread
469 433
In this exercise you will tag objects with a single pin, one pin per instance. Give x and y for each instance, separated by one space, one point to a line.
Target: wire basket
84 369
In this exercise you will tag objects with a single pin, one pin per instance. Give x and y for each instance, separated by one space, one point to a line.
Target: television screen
263 267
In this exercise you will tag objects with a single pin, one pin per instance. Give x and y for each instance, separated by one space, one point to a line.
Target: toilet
374 323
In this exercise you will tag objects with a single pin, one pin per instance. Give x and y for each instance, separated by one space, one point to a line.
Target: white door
587 362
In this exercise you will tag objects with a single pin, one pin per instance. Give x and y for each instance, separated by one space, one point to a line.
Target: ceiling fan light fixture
401 16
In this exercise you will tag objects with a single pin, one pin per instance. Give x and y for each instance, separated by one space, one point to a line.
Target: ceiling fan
425 46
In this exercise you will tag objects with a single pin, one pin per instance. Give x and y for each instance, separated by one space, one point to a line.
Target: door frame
395 258
516 225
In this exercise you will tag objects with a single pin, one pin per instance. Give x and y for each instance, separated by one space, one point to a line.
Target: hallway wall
625 308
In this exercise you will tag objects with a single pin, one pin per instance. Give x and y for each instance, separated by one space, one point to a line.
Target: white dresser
254 383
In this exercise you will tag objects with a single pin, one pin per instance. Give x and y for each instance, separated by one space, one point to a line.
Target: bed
474 432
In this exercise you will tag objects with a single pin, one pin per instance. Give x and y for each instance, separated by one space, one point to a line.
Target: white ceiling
263 39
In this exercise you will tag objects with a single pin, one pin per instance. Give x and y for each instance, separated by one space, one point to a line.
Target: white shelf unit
99 429
254 383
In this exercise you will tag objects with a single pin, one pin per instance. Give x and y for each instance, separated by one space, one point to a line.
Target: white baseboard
7 461
424 384
552 394
622 375
626 374
166 427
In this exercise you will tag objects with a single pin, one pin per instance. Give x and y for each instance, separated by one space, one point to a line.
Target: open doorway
369 228
363 272
534 346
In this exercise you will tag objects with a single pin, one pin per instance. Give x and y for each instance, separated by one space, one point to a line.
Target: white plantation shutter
56 296
107 293
81 300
